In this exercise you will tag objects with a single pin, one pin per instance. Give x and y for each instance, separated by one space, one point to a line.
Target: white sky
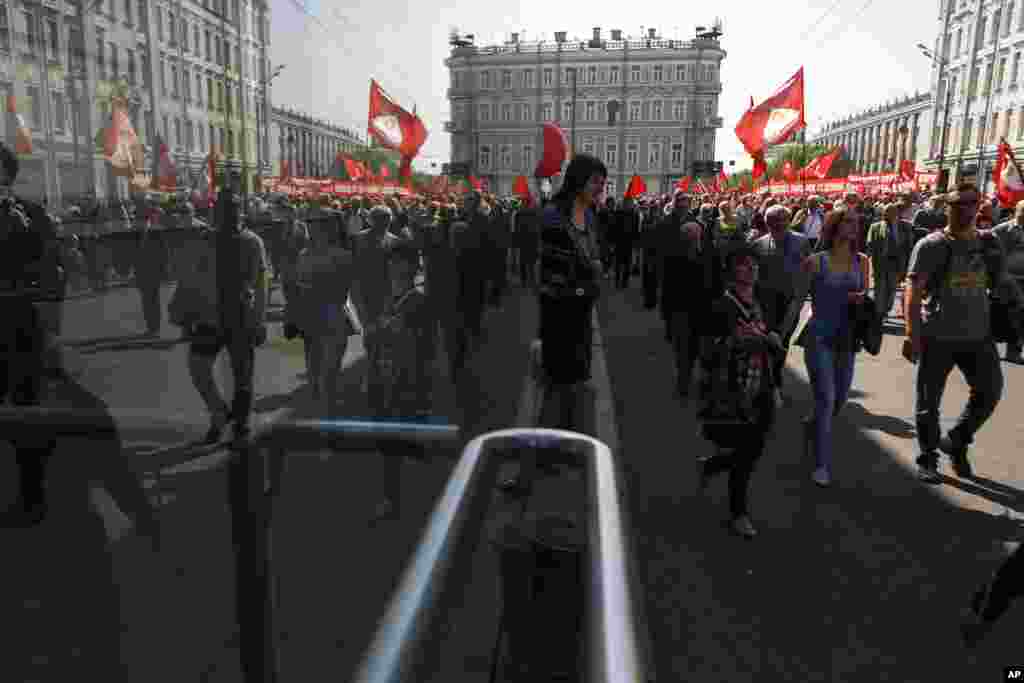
861 54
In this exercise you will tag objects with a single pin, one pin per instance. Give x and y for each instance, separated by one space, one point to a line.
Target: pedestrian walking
840 278
737 407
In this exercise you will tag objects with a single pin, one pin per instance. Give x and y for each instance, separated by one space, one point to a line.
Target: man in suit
889 242
624 234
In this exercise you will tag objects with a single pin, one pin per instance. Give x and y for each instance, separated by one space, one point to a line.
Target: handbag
868 327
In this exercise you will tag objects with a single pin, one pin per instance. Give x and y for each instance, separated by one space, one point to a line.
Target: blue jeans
831 375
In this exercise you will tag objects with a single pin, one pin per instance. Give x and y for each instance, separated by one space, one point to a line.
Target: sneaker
928 469
958 454
821 477
742 526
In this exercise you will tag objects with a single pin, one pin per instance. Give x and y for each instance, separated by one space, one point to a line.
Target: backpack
734 381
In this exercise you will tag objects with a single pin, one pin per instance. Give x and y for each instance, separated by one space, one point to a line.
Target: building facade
194 71
667 94
977 70
309 145
878 140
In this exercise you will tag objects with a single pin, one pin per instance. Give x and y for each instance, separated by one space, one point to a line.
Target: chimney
559 36
651 34
597 33
515 37
616 34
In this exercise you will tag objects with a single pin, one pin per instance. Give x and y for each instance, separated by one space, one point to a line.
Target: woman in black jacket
570 273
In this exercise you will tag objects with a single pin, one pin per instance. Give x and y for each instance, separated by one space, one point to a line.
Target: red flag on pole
773 121
521 188
636 187
120 143
393 127
1008 177
22 134
475 183
556 149
818 168
684 183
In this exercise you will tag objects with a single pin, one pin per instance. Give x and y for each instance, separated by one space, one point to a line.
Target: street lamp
941 185
259 143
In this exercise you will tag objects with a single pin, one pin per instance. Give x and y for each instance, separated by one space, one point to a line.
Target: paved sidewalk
860 582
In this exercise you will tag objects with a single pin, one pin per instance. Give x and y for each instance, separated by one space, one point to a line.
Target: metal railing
407 644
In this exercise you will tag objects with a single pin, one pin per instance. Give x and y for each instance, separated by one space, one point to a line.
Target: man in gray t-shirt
949 324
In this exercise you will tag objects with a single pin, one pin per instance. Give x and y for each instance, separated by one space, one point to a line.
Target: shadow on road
893 426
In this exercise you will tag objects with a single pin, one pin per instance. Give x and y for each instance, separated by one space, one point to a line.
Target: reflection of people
60 611
27 278
401 371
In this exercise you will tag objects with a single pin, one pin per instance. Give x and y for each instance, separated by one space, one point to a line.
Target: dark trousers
775 305
685 333
527 268
740 463
21 379
979 363
499 278
149 293
206 346
994 598
623 265
650 280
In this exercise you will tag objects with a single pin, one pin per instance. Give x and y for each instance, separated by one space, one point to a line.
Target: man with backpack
955 277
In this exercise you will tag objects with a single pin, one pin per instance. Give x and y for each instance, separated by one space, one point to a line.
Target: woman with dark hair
570 273
840 277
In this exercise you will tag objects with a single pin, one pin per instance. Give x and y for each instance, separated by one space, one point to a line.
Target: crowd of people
737 279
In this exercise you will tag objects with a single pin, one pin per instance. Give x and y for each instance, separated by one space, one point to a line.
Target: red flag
819 167
1008 177
907 169
393 127
556 149
167 175
521 188
384 172
724 178
684 183
475 183
760 165
22 134
636 187
788 172
120 144
773 121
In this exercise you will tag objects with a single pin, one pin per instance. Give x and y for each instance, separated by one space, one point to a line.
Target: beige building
879 139
978 50
195 72
667 91
307 143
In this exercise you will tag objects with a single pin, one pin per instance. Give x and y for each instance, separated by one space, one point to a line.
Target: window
712 74
197 43
159 25
190 136
959 41
548 114
186 79
634 74
130 65
506 156
101 64
209 93
75 45
506 79
692 72
528 157
656 110
548 75
184 35
53 40
60 116
145 70
613 75
485 111
506 112
485 80
527 113
588 148
658 74
32 95
591 111
5 28
634 111
199 89
680 72
143 14
591 74
566 111
216 46
609 188
177 132
632 155
1000 73
485 156
995 26
174 81
709 108
172 29
654 155
677 154
115 70
527 78
611 154
677 110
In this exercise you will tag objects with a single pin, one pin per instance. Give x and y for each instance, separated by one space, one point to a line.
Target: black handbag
868 326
